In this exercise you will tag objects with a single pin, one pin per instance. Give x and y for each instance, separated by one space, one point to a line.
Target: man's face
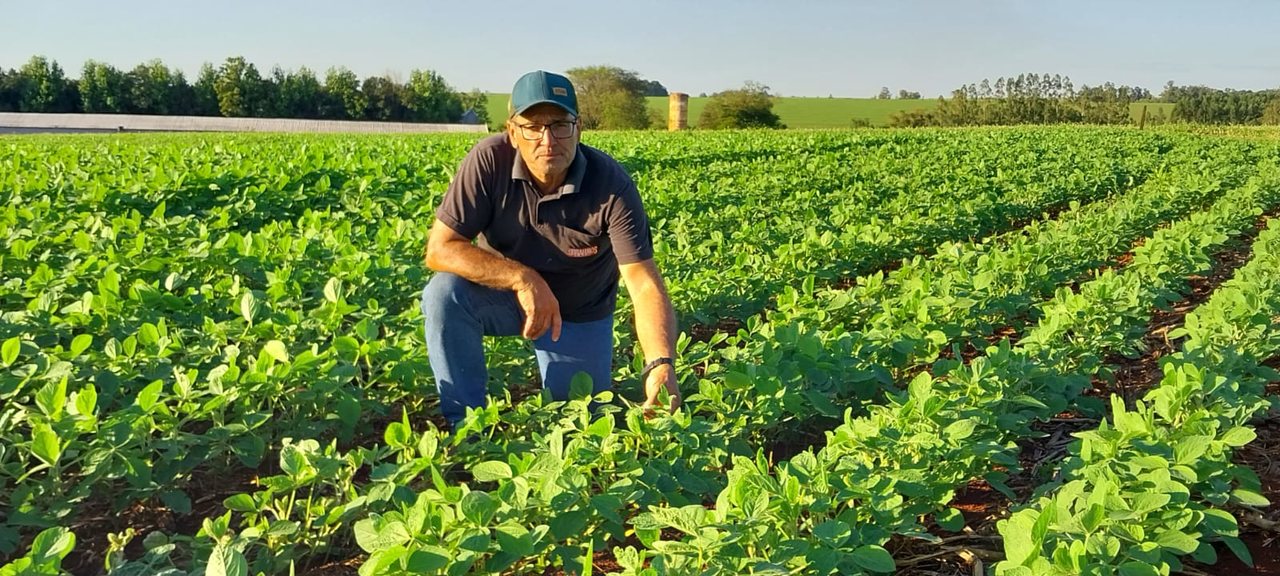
549 156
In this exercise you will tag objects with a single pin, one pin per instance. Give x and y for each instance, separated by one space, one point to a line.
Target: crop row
1151 487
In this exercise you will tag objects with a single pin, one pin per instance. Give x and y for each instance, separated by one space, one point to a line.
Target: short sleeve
467 207
628 225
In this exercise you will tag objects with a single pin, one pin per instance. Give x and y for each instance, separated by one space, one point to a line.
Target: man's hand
662 376
541 309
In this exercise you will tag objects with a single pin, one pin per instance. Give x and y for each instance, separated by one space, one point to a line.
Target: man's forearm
477 265
655 321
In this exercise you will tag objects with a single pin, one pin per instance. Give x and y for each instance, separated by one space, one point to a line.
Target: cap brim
522 109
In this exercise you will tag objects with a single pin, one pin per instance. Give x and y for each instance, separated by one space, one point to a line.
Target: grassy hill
805 112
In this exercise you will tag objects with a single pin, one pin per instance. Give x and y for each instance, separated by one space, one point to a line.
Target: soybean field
1010 351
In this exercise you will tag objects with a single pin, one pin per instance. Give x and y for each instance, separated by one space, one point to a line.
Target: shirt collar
572 181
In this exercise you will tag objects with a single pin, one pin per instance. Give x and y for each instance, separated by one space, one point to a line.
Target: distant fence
19 122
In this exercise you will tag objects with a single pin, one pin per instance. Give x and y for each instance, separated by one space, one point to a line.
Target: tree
300 94
610 98
103 89
1271 114
239 88
430 99
477 101
905 95
884 94
43 87
155 89
204 92
655 88
9 93
343 98
748 107
385 99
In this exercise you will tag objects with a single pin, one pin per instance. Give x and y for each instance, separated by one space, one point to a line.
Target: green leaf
1220 523
491 471
568 525
1138 569
428 444
479 507
248 306
52 397
833 533
874 558
1041 527
86 401
332 290
226 561
1190 449
52 545
177 501
1178 542
960 429
921 387
1094 517
476 540
1205 554
45 444
294 462
277 350
1250 498
240 503
80 343
427 560
148 396
348 348
950 520
373 539
737 381
514 538
9 350
601 427
1241 551
1239 436
580 386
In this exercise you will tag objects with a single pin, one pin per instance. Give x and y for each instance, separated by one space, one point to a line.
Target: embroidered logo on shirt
582 252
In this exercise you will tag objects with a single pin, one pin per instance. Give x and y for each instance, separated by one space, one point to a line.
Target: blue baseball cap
542 87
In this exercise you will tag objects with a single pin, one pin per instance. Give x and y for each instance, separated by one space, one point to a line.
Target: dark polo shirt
575 238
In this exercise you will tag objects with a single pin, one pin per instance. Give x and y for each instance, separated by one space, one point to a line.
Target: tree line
1028 99
235 88
1204 105
609 97
1054 99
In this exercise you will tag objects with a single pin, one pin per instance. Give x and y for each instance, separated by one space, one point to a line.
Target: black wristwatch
644 373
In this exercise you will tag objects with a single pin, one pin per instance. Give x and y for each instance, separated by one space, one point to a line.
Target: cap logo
558 91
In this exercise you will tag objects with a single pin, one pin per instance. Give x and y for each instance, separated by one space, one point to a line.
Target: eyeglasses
562 129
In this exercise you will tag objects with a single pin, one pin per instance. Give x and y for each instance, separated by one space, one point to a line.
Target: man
558 223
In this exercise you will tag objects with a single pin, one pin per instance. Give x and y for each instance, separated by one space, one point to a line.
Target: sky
797 47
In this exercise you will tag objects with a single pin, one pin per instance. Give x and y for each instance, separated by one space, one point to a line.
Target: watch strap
655 363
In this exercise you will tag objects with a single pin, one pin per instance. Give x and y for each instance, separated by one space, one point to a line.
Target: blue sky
797 47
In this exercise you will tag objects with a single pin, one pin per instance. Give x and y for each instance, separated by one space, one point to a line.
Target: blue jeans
458 313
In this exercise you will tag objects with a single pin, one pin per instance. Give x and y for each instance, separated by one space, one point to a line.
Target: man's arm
449 251
655 327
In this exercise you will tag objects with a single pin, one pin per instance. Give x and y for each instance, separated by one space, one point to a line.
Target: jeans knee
442 297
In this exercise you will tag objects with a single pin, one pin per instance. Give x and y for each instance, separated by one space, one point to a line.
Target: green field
212 360
804 112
